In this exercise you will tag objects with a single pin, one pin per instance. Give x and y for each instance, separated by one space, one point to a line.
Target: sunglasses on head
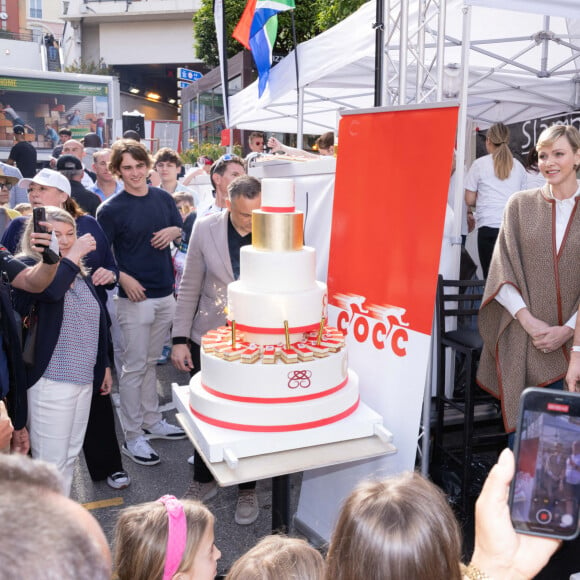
223 160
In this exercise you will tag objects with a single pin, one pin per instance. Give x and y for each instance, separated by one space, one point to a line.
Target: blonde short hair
279 558
550 135
53 214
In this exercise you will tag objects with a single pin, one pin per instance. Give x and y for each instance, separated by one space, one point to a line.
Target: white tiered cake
277 367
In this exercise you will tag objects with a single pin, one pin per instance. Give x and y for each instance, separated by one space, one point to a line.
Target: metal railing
26 35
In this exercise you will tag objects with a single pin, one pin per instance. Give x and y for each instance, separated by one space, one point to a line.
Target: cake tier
257 312
277 232
277 195
270 271
259 382
293 415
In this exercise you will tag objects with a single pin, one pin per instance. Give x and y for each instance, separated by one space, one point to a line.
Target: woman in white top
489 183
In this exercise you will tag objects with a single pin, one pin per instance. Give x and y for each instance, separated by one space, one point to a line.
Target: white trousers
58 414
116 334
144 326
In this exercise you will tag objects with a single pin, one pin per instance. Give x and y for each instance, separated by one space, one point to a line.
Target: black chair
460 300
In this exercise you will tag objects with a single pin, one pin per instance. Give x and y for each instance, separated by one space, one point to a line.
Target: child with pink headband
167 539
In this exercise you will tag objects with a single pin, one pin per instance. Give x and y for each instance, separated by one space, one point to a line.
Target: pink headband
177 535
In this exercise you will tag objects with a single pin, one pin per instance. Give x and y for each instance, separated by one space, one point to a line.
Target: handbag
30 328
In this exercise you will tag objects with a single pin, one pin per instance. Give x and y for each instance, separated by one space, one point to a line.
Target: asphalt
173 476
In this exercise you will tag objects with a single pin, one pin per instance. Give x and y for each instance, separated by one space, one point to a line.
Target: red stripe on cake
292 330
291 209
269 401
277 428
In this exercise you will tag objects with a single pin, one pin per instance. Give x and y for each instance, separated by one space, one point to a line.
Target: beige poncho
525 256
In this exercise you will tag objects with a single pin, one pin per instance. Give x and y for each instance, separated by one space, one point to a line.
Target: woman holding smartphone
71 348
48 187
532 292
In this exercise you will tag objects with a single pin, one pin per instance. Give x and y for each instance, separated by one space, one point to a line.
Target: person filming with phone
35 278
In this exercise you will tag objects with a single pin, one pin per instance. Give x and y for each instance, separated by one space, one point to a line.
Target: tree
311 17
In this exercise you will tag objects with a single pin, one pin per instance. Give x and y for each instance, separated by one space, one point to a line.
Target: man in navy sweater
141 222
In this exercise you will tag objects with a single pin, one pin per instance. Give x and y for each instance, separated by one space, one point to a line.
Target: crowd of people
141 273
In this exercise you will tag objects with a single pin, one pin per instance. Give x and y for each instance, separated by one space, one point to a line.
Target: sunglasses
5 185
223 160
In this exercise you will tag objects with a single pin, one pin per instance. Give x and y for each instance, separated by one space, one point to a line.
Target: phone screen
545 492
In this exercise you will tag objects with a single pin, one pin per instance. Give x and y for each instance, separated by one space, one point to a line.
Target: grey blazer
208 270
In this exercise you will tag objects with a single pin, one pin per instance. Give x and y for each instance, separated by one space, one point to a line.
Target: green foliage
90 67
332 12
211 150
311 17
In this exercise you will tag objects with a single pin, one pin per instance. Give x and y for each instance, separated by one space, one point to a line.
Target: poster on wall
166 134
392 181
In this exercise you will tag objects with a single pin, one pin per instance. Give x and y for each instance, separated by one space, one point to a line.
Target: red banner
390 197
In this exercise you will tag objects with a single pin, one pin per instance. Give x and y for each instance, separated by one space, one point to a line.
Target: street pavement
173 476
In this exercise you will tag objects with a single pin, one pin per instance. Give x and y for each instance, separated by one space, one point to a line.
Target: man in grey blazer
212 262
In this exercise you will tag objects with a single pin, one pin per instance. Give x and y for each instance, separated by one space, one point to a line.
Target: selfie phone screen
545 493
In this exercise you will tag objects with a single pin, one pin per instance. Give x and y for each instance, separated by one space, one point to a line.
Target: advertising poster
392 179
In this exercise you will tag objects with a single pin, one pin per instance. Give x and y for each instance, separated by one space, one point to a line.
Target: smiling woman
533 289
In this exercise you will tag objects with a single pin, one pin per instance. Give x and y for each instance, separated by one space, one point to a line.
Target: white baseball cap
48 177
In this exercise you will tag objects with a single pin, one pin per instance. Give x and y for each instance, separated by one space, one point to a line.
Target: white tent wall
515 72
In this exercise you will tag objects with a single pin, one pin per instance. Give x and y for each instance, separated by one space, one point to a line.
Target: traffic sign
182 84
186 74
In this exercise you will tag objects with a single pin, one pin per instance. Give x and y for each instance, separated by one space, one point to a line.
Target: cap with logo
49 178
18 130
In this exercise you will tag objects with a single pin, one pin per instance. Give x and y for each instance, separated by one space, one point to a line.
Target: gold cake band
277 232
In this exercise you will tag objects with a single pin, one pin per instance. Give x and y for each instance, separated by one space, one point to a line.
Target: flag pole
220 22
299 134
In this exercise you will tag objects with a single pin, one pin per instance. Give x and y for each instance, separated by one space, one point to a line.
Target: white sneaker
164 430
247 510
140 451
119 480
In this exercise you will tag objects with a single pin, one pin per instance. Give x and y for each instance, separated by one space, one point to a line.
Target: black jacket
88 200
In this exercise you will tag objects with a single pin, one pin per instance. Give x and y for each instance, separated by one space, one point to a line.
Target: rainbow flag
257 30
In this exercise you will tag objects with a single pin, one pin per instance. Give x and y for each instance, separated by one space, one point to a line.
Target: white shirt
492 192
508 296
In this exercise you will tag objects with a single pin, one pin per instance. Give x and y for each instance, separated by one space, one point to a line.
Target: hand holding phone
545 493
50 254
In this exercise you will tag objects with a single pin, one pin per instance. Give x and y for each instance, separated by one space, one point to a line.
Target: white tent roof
522 66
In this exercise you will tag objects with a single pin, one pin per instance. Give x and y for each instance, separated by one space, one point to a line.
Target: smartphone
39 215
544 495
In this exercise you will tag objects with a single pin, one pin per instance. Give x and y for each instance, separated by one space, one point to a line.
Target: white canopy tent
520 65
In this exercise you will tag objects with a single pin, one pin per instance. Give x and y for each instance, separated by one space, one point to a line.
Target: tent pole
403 48
299 104
441 49
300 127
379 43
459 194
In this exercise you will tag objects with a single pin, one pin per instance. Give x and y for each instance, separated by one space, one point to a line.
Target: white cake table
278 465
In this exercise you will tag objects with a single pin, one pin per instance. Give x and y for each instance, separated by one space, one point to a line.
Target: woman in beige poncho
532 292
